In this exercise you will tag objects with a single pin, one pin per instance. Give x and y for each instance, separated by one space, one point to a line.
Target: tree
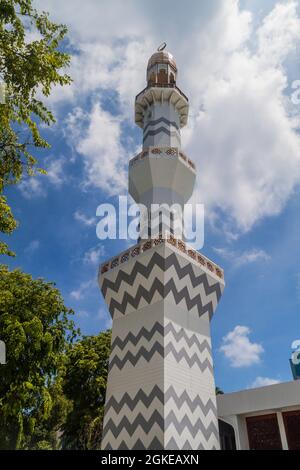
36 328
85 385
29 69
47 432
7 224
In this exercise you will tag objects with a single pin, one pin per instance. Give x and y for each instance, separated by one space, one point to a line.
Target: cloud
278 33
250 160
32 187
82 314
84 219
240 351
36 186
83 289
94 255
98 141
263 382
242 131
252 256
55 171
240 259
33 246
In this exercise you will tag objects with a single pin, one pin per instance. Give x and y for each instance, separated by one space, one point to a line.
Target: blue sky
237 62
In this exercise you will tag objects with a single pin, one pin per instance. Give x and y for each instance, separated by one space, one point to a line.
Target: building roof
271 397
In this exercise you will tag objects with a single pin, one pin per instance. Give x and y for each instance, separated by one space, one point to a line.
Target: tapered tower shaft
161 295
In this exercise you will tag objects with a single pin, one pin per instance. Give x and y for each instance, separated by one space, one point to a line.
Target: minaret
161 295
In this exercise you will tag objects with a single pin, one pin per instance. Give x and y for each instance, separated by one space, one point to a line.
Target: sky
238 63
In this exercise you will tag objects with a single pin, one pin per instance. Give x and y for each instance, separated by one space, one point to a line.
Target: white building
265 418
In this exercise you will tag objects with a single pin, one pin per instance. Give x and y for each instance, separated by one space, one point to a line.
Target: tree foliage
31 63
85 385
36 328
7 224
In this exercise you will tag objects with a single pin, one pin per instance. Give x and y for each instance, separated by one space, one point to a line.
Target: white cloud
278 33
250 149
33 246
32 187
55 171
84 219
240 351
36 186
82 314
94 255
263 382
240 259
252 256
99 143
232 64
83 289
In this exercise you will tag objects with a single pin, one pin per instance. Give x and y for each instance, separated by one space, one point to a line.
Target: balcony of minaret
161 87
195 257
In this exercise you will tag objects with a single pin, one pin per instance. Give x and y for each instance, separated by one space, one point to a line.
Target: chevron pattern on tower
177 415
187 420
163 340
162 273
155 127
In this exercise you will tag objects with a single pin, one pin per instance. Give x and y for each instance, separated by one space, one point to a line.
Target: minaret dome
161 68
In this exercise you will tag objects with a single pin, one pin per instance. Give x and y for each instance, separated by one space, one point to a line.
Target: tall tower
161 295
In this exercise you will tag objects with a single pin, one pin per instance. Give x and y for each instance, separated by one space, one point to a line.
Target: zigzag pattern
157 445
172 445
139 445
163 289
186 441
193 404
164 352
125 424
135 339
163 397
145 271
159 120
143 333
156 418
193 429
164 130
191 361
150 416
134 358
164 264
165 229
132 402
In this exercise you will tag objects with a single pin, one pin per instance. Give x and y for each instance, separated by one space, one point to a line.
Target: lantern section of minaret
161 294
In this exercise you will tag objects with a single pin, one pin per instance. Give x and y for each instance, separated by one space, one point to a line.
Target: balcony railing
162 85
169 151
144 246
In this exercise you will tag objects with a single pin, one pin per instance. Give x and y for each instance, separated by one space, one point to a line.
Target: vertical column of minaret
161 123
161 296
